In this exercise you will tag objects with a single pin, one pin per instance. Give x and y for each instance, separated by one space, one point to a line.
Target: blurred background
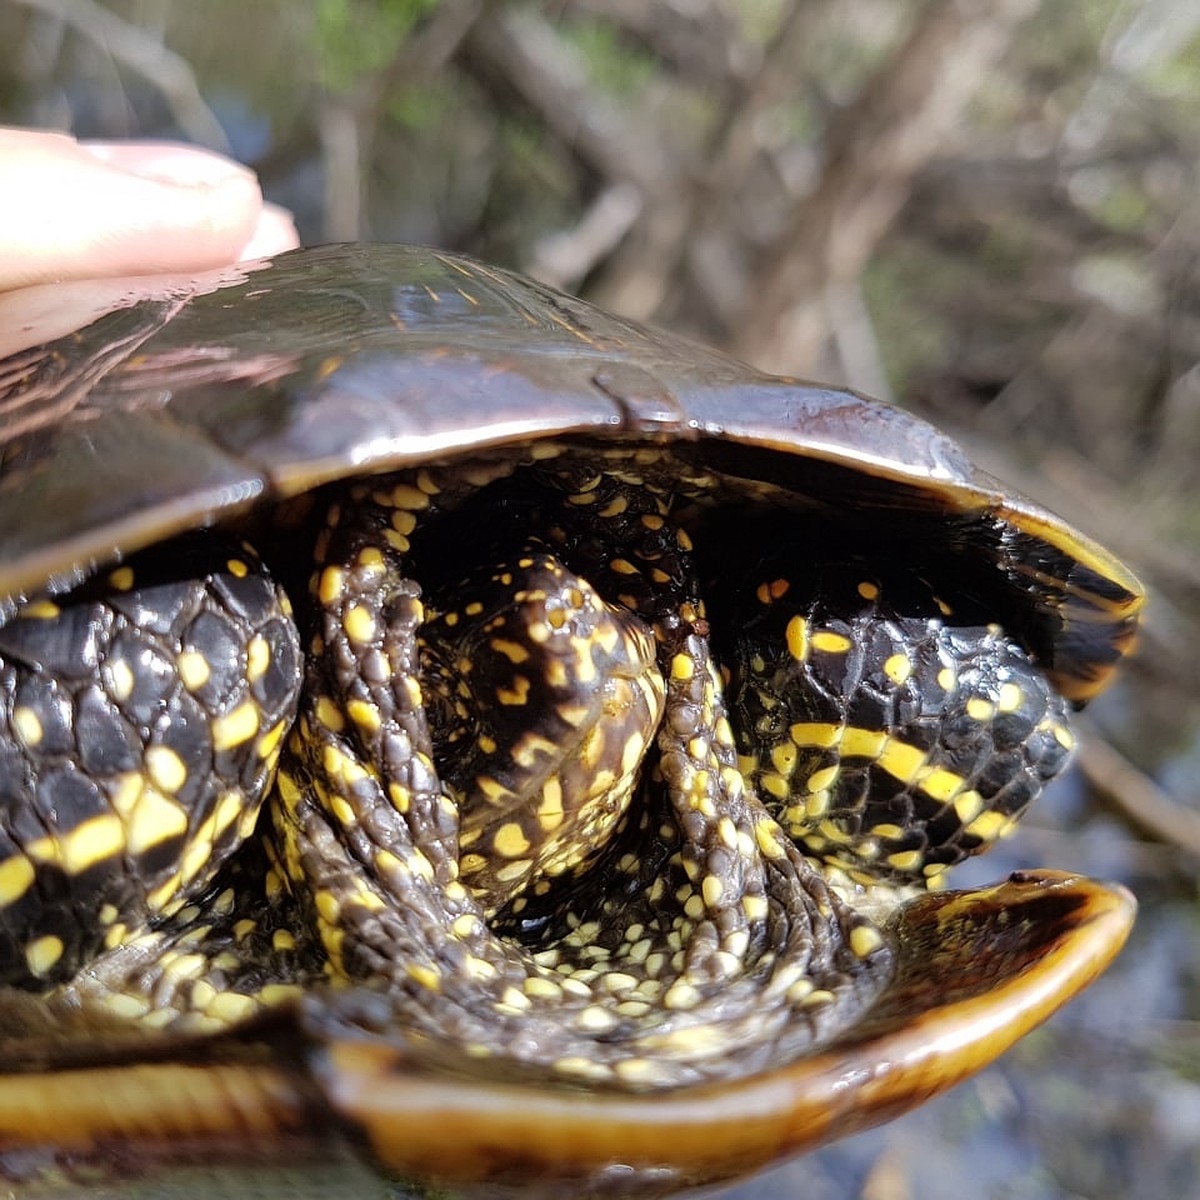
986 210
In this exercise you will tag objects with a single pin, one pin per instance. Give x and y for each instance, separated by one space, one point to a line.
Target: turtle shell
347 360
190 403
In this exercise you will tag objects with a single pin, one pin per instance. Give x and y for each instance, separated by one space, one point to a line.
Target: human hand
89 210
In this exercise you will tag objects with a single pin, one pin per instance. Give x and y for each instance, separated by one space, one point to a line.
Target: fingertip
102 209
274 233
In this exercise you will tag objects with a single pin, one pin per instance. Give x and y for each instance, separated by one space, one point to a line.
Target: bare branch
1138 797
528 55
145 55
563 259
892 130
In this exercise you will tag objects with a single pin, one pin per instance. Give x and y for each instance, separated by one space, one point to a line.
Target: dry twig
135 48
874 153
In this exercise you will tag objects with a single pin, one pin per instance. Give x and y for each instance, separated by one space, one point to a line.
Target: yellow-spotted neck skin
517 823
891 733
145 714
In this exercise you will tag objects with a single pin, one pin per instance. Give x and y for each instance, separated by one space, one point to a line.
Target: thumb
79 211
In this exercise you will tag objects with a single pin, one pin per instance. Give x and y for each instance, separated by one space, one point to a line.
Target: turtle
443 717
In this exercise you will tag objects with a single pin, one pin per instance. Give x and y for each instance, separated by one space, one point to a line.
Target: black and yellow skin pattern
890 732
145 714
538 811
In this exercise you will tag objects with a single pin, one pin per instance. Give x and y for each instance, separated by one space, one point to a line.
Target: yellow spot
42 953
863 743
229 807
195 858
359 624
258 657
237 568
980 710
510 840
516 695
16 874
682 667
159 898
766 834
775 784
235 727
905 860
868 590
901 761
268 744
364 714
797 637
513 651
681 996
283 939
830 643
125 1006
713 888
27 724
193 669
329 715
819 734
835 833
1063 736
331 585
153 819
947 680
405 496
864 940
579 1067
92 842
987 825
41 610
116 935
121 579
595 1019
275 994
897 668
121 679
231 1006
968 805
822 780
514 999
165 768
1010 697
942 784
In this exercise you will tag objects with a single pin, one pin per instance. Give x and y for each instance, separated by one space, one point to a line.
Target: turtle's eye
890 736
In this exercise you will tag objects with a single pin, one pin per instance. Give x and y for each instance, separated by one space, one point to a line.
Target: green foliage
356 38
612 64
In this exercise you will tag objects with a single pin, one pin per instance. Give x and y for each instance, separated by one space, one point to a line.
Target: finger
75 212
275 233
